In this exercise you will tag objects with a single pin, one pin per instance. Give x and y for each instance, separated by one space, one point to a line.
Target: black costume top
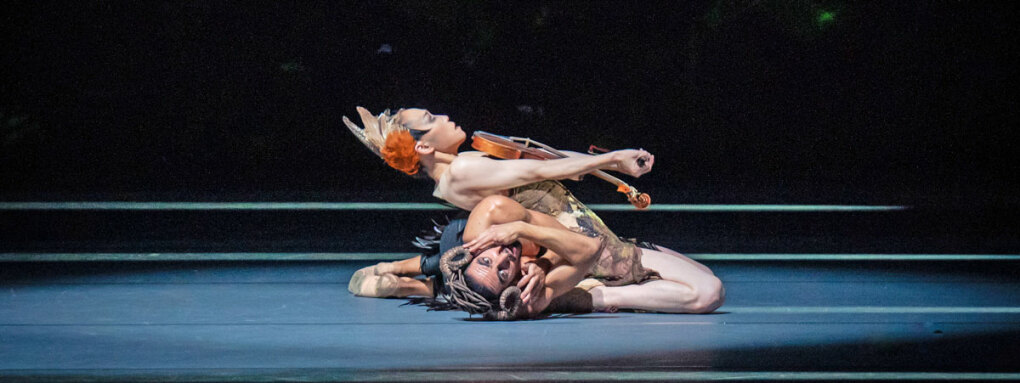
453 236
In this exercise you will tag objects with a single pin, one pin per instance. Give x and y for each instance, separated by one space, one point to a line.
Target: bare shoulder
472 154
468 163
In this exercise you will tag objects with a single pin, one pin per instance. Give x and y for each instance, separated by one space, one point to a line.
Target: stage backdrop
742 102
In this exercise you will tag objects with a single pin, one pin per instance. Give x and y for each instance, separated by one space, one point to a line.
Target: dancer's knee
710 296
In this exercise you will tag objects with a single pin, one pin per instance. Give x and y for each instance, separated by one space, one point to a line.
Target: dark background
897 102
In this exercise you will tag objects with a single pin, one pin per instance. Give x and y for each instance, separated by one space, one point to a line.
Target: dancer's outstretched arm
469 173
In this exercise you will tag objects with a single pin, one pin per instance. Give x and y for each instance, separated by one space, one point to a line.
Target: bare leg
684 258
684 288
390 285
411 287
407 267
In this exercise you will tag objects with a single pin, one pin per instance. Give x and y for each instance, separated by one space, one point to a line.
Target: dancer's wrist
543 264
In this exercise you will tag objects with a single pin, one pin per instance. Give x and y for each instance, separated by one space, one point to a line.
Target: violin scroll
642 201
636 198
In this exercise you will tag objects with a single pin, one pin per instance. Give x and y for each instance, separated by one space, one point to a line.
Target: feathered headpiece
387 138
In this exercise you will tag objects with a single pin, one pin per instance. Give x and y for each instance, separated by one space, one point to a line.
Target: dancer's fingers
531 288
524 280
480 242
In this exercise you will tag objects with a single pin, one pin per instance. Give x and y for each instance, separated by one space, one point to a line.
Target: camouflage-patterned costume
619 265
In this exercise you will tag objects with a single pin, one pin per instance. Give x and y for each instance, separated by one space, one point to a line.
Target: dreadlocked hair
458 294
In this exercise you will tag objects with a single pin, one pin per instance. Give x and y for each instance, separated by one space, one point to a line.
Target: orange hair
399 153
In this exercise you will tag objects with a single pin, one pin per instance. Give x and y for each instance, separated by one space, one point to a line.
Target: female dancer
531 251
413 140
486 275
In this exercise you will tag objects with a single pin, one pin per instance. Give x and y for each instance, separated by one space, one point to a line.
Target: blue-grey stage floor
245 320
916 293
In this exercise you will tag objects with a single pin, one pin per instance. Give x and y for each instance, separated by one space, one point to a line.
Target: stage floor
244 320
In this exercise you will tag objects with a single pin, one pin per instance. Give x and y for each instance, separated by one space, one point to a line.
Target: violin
513 148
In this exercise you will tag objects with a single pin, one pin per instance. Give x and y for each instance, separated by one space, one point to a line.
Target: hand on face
532 283
495 235
634 162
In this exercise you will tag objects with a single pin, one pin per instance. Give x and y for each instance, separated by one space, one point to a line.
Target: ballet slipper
376 286
383 268
359 276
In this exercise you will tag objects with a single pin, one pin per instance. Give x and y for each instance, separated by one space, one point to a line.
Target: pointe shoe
359 276
379 269
374 286
383 268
